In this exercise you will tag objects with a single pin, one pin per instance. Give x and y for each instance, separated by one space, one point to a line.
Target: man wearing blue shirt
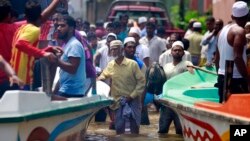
72 62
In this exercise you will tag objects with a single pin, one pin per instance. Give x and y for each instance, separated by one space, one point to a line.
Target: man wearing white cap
142 24
142 52
129 52
232 46
128 83
177 66
102 56
194 40
167 57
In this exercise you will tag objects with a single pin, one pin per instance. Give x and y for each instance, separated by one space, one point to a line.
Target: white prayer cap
248 36
247 24
129 40
83 33
197 25
142 20
92 25
115 44
111 34
240 9
178 43
135 30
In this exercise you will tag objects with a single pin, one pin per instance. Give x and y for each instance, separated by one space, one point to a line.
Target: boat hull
195 100
57 128
200 124
30 116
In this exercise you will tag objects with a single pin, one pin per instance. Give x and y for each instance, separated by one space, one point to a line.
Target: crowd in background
117 52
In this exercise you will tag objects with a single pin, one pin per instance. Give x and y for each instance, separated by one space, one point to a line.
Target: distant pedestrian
194 40
153 42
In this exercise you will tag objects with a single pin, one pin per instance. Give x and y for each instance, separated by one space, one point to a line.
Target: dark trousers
6 86
237 86
167 115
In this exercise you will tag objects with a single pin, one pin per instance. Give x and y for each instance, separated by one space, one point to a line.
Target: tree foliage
188 14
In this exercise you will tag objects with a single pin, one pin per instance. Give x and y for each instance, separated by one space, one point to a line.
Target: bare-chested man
232 46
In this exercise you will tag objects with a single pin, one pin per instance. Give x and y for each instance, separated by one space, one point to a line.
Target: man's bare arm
239 42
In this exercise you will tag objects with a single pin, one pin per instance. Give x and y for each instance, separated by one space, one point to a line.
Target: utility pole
181 12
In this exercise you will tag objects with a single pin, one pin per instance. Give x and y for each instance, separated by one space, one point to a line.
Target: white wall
77 8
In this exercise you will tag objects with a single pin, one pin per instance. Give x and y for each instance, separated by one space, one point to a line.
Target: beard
110 58
178 57
62 36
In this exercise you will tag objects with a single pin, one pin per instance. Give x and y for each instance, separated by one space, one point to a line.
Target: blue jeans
167 115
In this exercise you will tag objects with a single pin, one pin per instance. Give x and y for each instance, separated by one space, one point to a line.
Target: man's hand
190 69
128 99
57 50
16 80
51 57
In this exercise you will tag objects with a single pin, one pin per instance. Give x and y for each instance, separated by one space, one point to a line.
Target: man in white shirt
102 56
177 66
153 42
142 52
167 57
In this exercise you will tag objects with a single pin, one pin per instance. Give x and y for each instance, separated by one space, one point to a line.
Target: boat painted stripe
54 112
66 125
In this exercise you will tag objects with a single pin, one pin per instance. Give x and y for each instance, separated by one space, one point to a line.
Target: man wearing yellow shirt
128 83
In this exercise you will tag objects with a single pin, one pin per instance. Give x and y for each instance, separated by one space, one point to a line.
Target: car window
136 14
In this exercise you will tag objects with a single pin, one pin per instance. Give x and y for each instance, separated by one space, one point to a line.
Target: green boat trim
187 88
53 112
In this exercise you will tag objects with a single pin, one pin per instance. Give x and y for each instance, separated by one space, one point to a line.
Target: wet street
98 131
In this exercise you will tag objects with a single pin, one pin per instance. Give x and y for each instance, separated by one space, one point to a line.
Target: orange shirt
24 51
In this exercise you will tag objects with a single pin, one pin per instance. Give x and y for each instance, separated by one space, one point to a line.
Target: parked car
135 9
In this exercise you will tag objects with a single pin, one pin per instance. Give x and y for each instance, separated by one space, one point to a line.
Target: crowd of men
118 53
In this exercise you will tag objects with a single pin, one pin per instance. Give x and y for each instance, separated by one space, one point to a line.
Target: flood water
99 131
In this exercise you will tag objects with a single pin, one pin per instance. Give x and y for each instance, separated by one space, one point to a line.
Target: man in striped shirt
25 41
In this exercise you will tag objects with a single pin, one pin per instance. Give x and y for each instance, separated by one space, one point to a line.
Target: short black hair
117 24
210 19
69 20
99 23
185 43
123 15
32 10
5 9
86 23
150 24
161 31
110 25
91 35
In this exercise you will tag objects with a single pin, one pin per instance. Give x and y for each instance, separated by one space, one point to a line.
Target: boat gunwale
205 112
59 111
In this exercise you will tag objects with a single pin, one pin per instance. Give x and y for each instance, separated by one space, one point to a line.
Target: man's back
23 60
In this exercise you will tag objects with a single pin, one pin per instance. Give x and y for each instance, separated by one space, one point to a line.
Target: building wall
77 8
222 9
202 6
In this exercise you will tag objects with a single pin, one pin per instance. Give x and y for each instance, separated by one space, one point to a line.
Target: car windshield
136 14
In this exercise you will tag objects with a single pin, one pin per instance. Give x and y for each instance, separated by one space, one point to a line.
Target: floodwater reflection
98 131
